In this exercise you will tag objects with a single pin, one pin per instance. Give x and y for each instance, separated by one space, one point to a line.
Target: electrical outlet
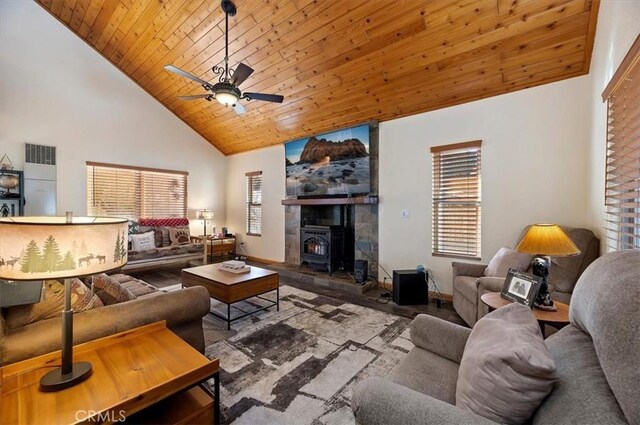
406 213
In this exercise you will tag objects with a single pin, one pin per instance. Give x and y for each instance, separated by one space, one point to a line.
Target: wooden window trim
136 168
454 146
621 227
144 197
249 203
447 225
630 60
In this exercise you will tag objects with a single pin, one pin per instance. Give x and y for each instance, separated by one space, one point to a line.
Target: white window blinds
622 186
456 200
134 192
254 203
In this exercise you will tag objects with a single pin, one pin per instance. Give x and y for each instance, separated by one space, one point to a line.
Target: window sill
458 256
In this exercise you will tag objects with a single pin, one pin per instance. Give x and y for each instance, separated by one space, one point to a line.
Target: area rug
299 365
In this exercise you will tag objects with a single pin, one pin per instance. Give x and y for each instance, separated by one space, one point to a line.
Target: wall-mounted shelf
332 201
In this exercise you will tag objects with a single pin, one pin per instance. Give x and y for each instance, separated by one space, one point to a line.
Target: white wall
534 168
269 246
56 90
618 27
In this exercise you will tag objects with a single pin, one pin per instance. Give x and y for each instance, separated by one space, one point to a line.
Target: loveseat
597 359
469 282
163 252
182 309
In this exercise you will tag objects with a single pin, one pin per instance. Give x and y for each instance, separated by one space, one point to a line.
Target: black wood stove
322 246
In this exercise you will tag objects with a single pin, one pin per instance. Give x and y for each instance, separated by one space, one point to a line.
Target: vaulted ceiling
337 62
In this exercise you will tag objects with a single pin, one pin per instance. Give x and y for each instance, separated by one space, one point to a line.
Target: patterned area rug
299 365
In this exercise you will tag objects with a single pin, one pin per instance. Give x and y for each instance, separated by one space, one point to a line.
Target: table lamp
47 248
543 241
205 215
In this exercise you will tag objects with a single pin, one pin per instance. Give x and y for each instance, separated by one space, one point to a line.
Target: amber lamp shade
547 239
544 240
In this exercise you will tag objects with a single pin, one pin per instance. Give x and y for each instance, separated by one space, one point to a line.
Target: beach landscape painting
335 163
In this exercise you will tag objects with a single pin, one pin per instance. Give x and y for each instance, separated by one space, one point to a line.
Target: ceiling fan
226 90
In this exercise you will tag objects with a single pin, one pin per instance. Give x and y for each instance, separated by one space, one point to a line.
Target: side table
217 247
133 371
559 318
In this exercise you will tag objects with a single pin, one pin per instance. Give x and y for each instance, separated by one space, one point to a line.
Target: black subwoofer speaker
361 271
410 287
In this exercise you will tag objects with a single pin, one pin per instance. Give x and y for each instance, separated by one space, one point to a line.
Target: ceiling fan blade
241 73
178 71
239 109
195 96
266 97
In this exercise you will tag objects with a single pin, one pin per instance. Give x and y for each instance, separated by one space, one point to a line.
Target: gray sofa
183 310
469 282
597 358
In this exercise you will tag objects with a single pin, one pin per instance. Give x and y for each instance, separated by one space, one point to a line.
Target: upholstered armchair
469 282
596 356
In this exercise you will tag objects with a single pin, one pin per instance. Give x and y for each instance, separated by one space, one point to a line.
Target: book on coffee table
233 266
245 269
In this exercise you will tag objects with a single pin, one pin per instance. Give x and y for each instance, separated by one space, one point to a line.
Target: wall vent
40 154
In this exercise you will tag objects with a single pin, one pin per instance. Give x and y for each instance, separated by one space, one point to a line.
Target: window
133 192
622 185
254 203
456 200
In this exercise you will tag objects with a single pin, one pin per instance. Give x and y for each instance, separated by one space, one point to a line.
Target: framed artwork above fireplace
330 164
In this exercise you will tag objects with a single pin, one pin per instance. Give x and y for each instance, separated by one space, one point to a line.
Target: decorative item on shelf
544 241
5 163
11 192
63 248
521 288
205 215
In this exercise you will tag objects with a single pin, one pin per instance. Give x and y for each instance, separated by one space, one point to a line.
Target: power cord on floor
440 302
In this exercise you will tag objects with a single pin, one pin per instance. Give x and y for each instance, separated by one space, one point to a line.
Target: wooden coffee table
559 318
230 288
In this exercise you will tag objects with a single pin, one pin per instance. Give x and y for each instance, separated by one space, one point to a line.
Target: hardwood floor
168 276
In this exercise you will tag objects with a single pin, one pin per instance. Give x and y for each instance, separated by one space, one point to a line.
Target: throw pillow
109 291
505 259
137 287
52 304
157 234
506 370
179 236
143 242
134 227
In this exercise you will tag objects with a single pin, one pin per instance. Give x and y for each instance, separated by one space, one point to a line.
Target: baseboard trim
261 260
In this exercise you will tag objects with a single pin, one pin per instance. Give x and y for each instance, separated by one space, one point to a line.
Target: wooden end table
559 318
140 370
230 288
216 247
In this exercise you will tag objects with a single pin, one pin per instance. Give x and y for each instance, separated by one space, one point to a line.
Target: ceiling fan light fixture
226 98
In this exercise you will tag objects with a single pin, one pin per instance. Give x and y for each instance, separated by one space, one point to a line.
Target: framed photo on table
521 288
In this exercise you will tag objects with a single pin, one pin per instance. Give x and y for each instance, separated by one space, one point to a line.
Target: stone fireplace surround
364 217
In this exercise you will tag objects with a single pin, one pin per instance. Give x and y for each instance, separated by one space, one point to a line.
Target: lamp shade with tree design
41 248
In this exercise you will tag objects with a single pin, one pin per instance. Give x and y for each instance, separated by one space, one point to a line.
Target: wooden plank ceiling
337 62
